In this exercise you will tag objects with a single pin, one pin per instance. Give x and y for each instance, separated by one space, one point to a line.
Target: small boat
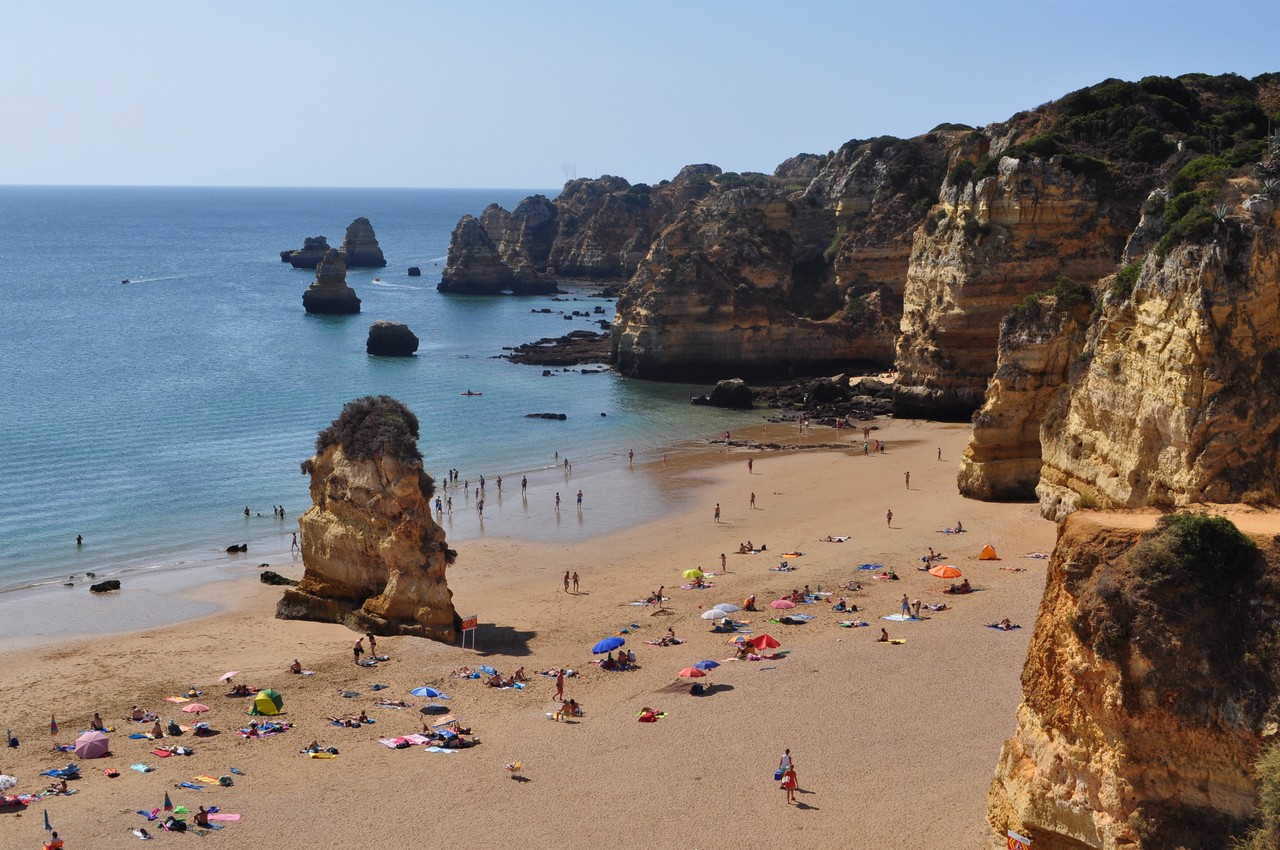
126 280
469 392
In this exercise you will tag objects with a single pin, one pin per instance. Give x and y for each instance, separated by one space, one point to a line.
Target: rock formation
733 394
391 339
309 256
1149 687
329 293
474 266
360 248
373 557
1038 351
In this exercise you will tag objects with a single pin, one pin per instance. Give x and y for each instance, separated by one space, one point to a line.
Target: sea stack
474 266
329 293
360 247
309 256
391 339
374 558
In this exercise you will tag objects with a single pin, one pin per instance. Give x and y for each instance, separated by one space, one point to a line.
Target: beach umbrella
53 725
707 664
693 673
195 708
765 642
268 701
693 573
429 692
945 571
48 827
7 782
737 639
782 603
227 675
609 644
92 745
727 607
168 804
714 614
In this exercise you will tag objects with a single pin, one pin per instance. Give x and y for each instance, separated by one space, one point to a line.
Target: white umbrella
7 782
714 614
728 607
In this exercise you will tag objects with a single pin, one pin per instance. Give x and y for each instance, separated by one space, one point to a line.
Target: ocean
147 416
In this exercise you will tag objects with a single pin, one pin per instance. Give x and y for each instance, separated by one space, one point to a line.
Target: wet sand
892 743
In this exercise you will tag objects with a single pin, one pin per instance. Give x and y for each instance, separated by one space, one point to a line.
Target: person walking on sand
294 547
723 563
524 484
717 511
907 477
939 452
753 501
559 683
566 581
789 784
579 500
557 501
575 582
358 649
749 464
888 517
631 456
786 762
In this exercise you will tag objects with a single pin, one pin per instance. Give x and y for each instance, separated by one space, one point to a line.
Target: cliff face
375 560
1180 402
1038 349
1149 687
329 292
360 249
989 244
762 279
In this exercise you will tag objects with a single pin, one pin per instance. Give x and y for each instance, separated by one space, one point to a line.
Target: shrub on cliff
371 427
1210 551
1266 835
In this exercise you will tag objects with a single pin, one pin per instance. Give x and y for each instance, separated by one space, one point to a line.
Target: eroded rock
329 293
391 339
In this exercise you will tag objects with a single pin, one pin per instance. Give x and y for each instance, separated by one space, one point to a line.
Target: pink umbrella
782 603
92 745
195 708
692 673
225 676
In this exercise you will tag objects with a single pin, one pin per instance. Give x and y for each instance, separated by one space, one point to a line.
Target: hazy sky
505 94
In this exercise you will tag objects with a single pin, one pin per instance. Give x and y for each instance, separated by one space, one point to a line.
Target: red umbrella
765 642
782 603
195 708
693 673
945 571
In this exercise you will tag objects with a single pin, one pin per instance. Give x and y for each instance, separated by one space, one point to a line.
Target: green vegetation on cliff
373 427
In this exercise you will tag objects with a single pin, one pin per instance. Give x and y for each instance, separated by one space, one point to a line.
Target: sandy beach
892 743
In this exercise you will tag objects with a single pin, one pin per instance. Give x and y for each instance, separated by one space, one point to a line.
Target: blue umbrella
429 692
707 664
609 644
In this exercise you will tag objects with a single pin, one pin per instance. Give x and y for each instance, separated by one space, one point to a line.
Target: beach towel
852 624
368 662
439 750
151 815
1001 628
707 585
899 618
206 779
224 816
871 566
190 785
322 755
177 699
141 768
144 836
237 771
835 538
485 668
894 641
1036 555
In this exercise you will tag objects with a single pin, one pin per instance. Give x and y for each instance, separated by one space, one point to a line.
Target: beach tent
92 745
267 701
988 554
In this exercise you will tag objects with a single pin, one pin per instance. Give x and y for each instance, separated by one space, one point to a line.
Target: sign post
1018 842
469 624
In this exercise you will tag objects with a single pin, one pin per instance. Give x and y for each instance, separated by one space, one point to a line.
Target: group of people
749 549
498 681
626 660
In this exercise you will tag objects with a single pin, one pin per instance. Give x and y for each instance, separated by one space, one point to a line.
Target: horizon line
310 188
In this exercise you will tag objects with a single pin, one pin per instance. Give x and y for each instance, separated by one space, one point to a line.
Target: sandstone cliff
767 276
309 255
1149 687
360 249
375 560
1180 402
329 292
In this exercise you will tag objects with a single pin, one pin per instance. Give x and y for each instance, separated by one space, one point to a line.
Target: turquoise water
147 416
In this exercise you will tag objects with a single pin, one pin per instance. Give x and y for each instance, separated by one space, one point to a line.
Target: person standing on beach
631 456
575 582
358 649
566 581
579 500
373 645
723 563
480 507
906 606
294 547
524 484
499 483
907 477
753 501
448 505
717 511
559 683
557 501
749 465
888 517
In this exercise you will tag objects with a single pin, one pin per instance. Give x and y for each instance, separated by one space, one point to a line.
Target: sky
498 94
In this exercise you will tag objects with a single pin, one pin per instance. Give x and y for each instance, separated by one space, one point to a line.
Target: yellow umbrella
693 573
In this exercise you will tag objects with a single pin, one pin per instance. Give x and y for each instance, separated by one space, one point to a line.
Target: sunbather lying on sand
937 606
392 703
1004 625
463 673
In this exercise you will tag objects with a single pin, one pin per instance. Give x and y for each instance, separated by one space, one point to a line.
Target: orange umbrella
945 571
765 642
693 673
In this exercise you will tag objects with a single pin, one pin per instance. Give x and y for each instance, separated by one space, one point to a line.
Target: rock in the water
391 339
105 586
414 271
238 547
559 416
273 577
474 267
309 256
360 248
374 558
329 293
733 394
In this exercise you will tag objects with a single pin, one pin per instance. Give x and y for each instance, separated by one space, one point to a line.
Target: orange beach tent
988 554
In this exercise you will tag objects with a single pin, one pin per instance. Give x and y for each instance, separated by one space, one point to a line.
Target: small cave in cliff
374 559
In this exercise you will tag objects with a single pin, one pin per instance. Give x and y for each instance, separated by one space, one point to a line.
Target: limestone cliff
1149 687
1040 341
309 255
990 243
766 276
360 249
329 292
375 560
474 266
1180 402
